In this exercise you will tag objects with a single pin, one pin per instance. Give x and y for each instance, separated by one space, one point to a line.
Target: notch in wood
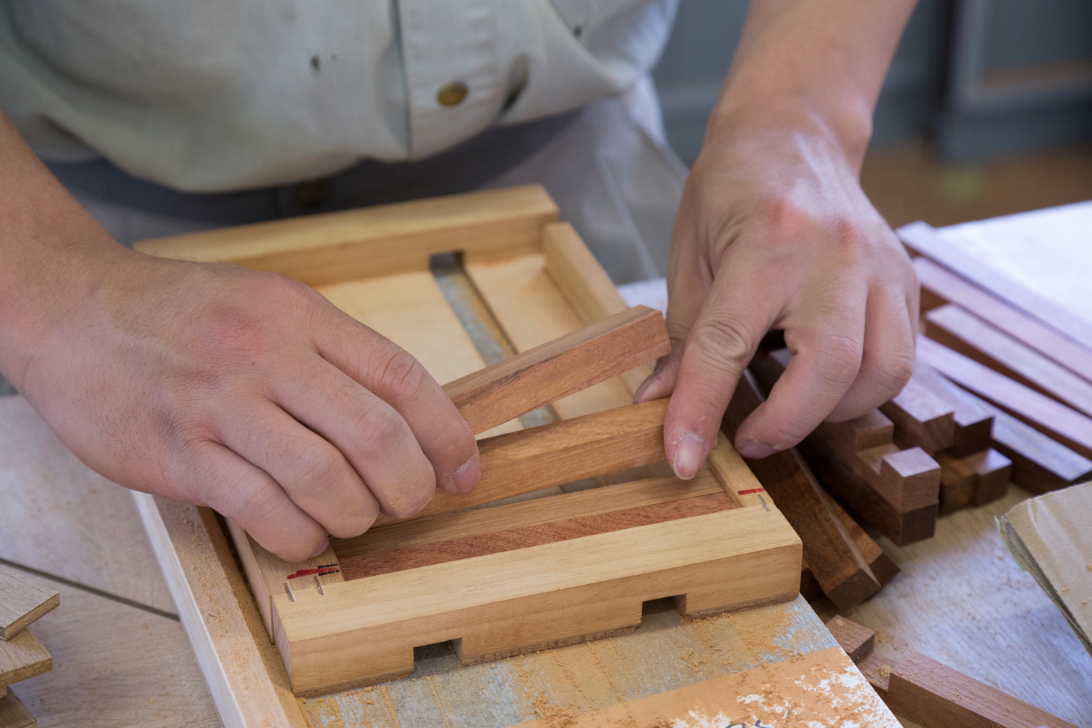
564 366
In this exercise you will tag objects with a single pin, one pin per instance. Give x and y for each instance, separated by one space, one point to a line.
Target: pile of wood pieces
933 695
1001 391
22 601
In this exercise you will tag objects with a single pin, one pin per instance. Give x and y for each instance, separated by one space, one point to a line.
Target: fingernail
322 547
689 454
755 450
466 477
637 396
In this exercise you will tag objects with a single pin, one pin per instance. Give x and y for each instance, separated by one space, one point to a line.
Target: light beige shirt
212 95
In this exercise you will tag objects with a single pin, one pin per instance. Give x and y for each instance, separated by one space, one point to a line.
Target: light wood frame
332 633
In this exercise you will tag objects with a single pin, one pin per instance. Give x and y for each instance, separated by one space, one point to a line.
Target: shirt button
452 94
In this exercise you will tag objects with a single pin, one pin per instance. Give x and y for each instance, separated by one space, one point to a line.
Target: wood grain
857 640
833 558
23 657
376 241
958 482
971 336
586 285
1066 425
1039 463
923 239
994 472
973 422
13 714
950 288
22 601
573 362
936 696
883 567
558 453
365 629
921 418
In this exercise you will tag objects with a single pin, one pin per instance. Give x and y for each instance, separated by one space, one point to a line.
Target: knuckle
723 337
382 431
318 467
893 372
402 375
839 361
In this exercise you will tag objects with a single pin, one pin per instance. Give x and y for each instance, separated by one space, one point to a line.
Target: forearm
813 65
52 252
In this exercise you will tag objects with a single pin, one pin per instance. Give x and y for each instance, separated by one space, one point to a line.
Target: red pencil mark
322 570
752 490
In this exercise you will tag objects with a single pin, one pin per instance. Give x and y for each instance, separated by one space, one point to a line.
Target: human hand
243 391
774 232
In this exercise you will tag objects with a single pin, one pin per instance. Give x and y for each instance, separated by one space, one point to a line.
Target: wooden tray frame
333 634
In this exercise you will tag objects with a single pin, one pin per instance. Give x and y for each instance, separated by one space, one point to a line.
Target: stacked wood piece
894 489
22 601
931 694
994 350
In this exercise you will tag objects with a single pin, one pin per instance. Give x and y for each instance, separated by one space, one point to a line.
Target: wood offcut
22 601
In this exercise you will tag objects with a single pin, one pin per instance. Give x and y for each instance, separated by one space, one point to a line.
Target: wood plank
246 680
549 372
973 422
857 640
23 657
366 629
559 453
835 562
921 418
934 695
1040 464
1066 425
950 288
586 285
376 241
22 601
13 714
879 562
923 239
971 336
526 302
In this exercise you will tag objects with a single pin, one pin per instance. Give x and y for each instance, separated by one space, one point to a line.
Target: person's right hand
244 391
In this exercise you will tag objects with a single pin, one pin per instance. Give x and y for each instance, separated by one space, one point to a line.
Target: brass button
452 93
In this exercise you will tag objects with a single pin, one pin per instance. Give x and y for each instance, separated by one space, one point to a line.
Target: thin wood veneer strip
1068 426
950 288
22 601
566 365
923 239
521 525
559 453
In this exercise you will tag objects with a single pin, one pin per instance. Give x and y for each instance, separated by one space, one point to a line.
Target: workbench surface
121 657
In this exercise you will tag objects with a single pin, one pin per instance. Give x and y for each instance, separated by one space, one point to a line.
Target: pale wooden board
23 599
115 665
60 517
962 600
13 714
23 657
532 311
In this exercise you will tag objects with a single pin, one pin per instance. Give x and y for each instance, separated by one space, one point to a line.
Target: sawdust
552 716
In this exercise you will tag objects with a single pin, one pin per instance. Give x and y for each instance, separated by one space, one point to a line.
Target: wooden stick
547 373
921 418
963 332
559 453
993 471
586 285
950 288
923 239
1066 425
834 560
22 601
973 422
857 640
958 482
881 565
23 657
934 695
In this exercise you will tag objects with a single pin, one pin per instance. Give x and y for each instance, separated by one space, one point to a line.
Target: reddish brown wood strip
387 561
568 364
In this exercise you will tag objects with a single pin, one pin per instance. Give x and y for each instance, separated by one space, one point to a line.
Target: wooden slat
376 241
559 453
835 562
586 285
973 422
921 418
1066 425
22 601
882 566
500 604
923 239
13 714
857 640
23 657
532 310
950 288
934 695
974 338
549 372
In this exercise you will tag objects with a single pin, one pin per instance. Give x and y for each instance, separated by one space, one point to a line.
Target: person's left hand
774 232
